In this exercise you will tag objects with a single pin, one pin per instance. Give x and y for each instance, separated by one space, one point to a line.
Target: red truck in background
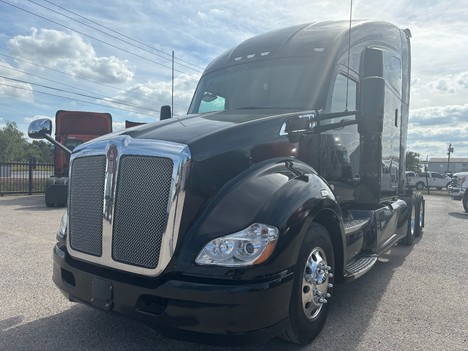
72 128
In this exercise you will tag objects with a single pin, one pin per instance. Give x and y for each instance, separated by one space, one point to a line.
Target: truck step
354 225
359 267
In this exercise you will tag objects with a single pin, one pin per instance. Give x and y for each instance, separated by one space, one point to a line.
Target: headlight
250 246
62 231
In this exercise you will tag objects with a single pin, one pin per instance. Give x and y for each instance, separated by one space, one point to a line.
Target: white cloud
11 87
116 126
449 84
432 128
68 51
102 69
151 94
462 80
33 118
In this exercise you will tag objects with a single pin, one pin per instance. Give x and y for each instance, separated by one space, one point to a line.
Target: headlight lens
250 246
62 231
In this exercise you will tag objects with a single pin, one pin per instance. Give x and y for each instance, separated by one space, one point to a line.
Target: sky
116 56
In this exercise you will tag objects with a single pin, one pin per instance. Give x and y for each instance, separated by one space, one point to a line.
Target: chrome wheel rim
315 283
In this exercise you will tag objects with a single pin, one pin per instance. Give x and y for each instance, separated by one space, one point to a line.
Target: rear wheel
420 185
465 201
411 227
51 181
313 277
62 181
420 213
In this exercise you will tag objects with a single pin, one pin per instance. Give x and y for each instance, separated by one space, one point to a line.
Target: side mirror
296 127
42 129
298 124
39 128
165 112
372 99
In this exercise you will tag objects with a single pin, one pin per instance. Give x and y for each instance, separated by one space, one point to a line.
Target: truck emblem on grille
110 182
111 158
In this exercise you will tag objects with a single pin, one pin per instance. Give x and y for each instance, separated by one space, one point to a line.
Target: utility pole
450 150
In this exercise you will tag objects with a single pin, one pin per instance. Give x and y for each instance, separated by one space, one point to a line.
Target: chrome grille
86 201
141 209
125 202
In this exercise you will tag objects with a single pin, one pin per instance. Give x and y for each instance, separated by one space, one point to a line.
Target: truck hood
212 134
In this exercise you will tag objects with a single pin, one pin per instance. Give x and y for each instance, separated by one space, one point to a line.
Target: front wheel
312 289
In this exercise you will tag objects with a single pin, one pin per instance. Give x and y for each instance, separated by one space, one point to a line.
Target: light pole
450 150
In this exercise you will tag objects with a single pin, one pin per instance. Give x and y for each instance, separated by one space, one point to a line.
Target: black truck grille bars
125 202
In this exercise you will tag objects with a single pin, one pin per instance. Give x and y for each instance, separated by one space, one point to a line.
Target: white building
440 164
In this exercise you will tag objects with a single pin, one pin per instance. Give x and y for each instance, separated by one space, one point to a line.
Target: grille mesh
86 203
140 216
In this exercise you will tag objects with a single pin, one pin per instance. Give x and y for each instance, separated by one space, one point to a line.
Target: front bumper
209 311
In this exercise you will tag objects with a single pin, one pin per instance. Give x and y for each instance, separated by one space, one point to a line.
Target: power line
80 78
77 77
117 102
46 79
121 34
94 38
67 98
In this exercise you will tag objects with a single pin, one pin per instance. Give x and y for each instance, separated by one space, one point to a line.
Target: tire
420 214
313 273
420 185
62 180
411 226
51 181
465 201
47 198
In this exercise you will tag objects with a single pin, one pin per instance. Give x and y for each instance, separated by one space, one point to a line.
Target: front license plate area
102 294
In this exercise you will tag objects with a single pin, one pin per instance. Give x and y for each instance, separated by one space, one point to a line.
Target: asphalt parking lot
415 298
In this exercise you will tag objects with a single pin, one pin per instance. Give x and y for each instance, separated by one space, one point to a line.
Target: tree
12 143
15 148
42 151
413 162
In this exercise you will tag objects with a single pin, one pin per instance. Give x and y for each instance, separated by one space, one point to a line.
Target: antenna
349 49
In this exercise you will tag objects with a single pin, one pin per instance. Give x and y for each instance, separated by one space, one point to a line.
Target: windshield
71 144
286 83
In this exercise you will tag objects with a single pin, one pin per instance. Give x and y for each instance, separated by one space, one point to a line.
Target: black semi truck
234 222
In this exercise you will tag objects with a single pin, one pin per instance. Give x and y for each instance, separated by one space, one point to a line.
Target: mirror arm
56 143
341 124
324 116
